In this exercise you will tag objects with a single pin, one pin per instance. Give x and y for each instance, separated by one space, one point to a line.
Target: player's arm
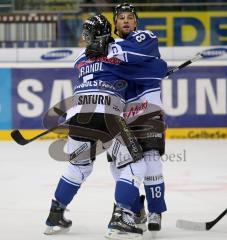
139 46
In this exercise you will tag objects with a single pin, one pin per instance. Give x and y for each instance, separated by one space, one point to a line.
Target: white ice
196 189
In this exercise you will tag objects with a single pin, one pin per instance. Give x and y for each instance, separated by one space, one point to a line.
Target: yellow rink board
171 133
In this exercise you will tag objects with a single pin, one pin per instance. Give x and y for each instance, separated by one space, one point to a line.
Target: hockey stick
199 226
18 138
209 53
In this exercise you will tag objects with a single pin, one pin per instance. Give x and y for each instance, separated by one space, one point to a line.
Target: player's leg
138 209
150 131
67 188
155 189
122 224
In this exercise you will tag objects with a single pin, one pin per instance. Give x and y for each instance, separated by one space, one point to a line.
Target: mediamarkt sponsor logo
135 109
57 54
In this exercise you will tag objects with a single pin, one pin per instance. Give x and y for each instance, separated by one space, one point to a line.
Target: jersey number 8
140 37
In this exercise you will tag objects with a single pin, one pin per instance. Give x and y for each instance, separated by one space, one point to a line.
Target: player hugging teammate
134 150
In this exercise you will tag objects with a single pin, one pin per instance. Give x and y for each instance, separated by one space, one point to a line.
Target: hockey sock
126 194
65 191
138 205
155 198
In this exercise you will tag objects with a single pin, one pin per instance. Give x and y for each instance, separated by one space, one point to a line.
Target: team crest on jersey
136 109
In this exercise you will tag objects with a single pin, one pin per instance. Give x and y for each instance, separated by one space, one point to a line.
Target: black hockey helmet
97 34
124 7
96 27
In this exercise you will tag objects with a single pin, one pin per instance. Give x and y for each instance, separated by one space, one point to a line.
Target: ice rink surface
196 189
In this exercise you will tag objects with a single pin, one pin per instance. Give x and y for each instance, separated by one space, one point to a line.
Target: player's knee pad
78 174
120 154
134 172
153 163
150 131
81 152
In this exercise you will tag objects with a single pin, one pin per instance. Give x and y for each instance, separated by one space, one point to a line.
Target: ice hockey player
143 104
98 106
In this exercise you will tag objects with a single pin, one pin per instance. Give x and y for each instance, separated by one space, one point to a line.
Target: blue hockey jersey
142 64
134 62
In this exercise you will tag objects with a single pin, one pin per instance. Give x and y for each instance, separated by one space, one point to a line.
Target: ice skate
154 221
56 223
122 226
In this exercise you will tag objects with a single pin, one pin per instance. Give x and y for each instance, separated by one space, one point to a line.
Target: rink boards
194 99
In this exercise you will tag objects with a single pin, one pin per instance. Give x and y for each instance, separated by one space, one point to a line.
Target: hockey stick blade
199 226
18 138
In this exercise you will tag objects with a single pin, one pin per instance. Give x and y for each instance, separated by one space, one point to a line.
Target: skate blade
119 235
51 230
